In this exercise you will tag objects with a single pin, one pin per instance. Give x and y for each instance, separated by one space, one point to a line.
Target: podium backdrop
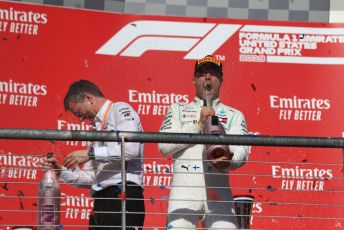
286 77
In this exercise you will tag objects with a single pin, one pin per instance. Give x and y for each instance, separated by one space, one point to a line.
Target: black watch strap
90 153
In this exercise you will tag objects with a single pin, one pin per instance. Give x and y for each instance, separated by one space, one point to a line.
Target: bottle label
46 185
48 214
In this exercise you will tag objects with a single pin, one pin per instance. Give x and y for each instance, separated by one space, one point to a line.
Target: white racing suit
198 189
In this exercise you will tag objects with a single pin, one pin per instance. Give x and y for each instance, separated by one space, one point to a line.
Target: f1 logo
198 39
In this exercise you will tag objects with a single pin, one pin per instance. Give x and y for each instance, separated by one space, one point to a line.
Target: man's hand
75 158
221 163
51 162
221 157
205 113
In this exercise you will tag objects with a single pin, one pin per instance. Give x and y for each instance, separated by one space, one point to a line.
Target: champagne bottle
49 199
213 126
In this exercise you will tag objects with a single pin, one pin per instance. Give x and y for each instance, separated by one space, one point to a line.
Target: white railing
153 137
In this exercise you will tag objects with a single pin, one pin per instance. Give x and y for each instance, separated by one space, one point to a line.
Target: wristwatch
90 153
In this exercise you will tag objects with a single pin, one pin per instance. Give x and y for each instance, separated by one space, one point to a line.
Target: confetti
270 188
162 186
122 195
152 200
5 186
20 193
21 204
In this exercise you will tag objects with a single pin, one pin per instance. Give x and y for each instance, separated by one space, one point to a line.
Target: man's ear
89 97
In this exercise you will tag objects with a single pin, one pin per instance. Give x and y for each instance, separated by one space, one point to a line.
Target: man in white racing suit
200 188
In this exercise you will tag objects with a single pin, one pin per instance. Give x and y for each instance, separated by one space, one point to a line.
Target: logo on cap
209 59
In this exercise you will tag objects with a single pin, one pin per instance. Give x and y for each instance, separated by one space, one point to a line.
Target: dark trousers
107 212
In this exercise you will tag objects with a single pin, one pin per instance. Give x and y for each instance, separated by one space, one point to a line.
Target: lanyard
105 115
